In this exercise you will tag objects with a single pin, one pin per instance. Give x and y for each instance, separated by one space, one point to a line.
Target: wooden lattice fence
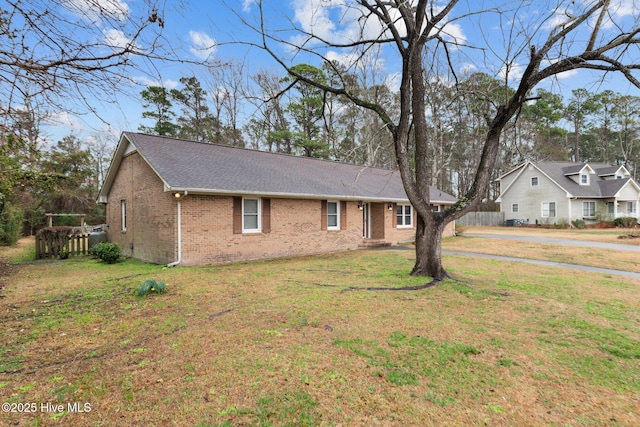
60 242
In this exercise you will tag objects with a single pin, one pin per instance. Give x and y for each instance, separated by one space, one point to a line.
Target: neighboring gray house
552 192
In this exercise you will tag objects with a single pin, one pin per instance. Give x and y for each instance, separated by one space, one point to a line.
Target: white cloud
115 39
512 72
168 84
314 17
95 10
203 45
467 69
64 120
392 81
246 5
567 74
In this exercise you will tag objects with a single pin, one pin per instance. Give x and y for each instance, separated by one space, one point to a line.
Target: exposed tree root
406 288
220 313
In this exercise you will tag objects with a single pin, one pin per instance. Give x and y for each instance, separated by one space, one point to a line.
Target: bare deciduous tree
67 52
541 42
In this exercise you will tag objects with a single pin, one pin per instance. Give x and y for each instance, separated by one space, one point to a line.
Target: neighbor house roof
201 168
559 173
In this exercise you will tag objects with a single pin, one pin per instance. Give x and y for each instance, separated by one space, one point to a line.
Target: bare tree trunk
429 248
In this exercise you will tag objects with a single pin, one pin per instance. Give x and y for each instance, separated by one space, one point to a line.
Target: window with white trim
631 207
534 181
251 215
548 209
404 216
123 215
514 207
589 209
584 179
333 215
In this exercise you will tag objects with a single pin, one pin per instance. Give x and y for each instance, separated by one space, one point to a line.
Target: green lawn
279 343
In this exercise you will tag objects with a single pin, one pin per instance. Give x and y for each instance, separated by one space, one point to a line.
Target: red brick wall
207 224
151 212
207 231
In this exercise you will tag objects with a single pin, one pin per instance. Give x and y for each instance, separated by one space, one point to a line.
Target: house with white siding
556 192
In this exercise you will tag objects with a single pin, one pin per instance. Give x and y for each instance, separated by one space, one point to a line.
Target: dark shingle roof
559 171
211 168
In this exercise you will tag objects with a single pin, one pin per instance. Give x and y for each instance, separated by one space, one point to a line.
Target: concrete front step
369 243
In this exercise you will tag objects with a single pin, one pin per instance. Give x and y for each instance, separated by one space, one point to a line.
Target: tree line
293 117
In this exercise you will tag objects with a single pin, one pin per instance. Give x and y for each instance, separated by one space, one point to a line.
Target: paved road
554 264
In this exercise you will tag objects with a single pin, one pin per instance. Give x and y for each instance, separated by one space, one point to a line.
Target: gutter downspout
179 198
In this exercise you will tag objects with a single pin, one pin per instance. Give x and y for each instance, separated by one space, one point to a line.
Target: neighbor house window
514 207
631 207
584 179
611 207
589 209
250 215
333 216
404 216
123 212
549 209
534 181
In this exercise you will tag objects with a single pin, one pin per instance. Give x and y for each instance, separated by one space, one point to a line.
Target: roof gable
519 170
201 168
598 187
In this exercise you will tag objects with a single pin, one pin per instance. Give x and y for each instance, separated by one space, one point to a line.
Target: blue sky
200 30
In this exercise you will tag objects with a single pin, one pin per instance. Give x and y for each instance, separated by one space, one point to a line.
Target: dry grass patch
570 254
605 235
278 343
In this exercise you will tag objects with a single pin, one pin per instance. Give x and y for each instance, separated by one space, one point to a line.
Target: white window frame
587 211
515 207
535 181
123 215
584 179
335 214
631 207
548 209
257 214
401 217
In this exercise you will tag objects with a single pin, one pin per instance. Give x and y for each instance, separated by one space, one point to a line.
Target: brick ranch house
172 201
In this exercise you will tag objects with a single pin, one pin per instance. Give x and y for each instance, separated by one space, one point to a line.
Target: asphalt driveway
613 246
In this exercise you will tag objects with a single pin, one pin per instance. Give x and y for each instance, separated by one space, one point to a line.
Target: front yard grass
278 343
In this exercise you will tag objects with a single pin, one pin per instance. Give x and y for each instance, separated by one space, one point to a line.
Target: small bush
107 252
11 220
562 223
625 222
152 285
578 223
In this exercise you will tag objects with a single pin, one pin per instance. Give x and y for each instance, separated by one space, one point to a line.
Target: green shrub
11 220
625 222
578 223
107 252
152 285
562 223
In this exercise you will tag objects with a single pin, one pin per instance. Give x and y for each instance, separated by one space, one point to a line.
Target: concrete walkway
583 243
